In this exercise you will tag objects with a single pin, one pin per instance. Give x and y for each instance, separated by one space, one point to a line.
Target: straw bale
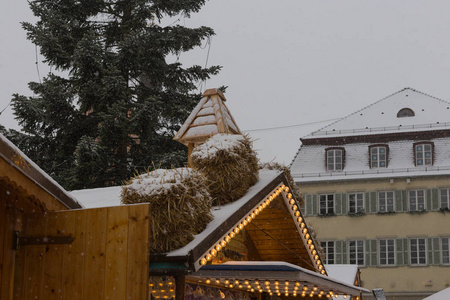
230 165
287 172
180 205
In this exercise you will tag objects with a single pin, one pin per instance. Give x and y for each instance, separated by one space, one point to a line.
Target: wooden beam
40 240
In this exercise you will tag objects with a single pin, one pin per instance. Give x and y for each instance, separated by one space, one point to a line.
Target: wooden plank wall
107 260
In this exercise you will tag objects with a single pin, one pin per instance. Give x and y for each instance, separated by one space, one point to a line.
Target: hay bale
180 205
229 164
295 190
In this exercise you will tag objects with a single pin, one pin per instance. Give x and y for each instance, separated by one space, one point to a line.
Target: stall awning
273 277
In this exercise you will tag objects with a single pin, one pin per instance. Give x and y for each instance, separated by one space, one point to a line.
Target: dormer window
423 154
334 158
405 112
378 156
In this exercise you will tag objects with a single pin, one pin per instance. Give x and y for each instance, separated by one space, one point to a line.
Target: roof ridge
376 102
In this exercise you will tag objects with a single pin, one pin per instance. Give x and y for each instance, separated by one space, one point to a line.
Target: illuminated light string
284 190
275 287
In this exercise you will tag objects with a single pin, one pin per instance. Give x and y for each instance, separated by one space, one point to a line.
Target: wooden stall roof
275 230
21 170
209 117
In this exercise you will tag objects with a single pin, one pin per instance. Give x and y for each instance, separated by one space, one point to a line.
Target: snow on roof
381 116
309 164
344 273
100 197
31 165
442 295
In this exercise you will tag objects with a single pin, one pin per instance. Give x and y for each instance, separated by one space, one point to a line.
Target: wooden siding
107 260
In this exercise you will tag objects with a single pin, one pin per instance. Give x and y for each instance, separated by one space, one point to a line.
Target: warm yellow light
240 286
309 242
322 272
307 236
252 290
276 282
249 219
236 281
236 230
267 283
227 239
297 283
297 213
300 219
264 205
278 294
208 257
292 201
241 226
218 247
320 267
318 262
271 198
314 252
270 293
305 230
256 212
227 282
286 288
312 248
249 286
315 288
256 282
208 281
245 223
286 294
203 262
302 225
213 252
253 215
260 208
231 286
217 281
246 282
232 235
286 283
294 208
305 288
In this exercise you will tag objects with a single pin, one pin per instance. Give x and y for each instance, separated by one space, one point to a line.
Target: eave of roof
20 162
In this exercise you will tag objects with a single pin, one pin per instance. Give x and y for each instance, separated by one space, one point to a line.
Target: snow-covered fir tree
117 110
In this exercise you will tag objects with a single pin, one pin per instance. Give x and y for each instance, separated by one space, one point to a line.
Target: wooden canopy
209 117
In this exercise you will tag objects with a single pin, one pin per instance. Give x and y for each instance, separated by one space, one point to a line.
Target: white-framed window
355 202
326 204
445 243
445 198
328 248
418 251
335 159
423 154
356 252
386 249
378 156
416 200
385 201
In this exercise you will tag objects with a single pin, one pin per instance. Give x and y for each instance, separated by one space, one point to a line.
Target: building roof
430 113
442 295
20 163
209 117
375 124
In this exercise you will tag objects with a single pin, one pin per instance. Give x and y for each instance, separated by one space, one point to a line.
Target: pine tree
122 101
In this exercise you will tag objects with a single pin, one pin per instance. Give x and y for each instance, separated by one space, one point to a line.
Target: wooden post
190 148
180 286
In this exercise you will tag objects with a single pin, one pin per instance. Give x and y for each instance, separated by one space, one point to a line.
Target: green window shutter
429 251
315 205
367 202
344 201
338 249
399 252
337 204
344 252
405 202
398 201
373 202
309 203
434 199
373 253
367 253
405 252
429 199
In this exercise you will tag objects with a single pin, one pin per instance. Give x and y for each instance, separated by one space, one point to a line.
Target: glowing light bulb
203 262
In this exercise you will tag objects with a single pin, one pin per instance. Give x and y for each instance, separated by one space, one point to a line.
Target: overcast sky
288 62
